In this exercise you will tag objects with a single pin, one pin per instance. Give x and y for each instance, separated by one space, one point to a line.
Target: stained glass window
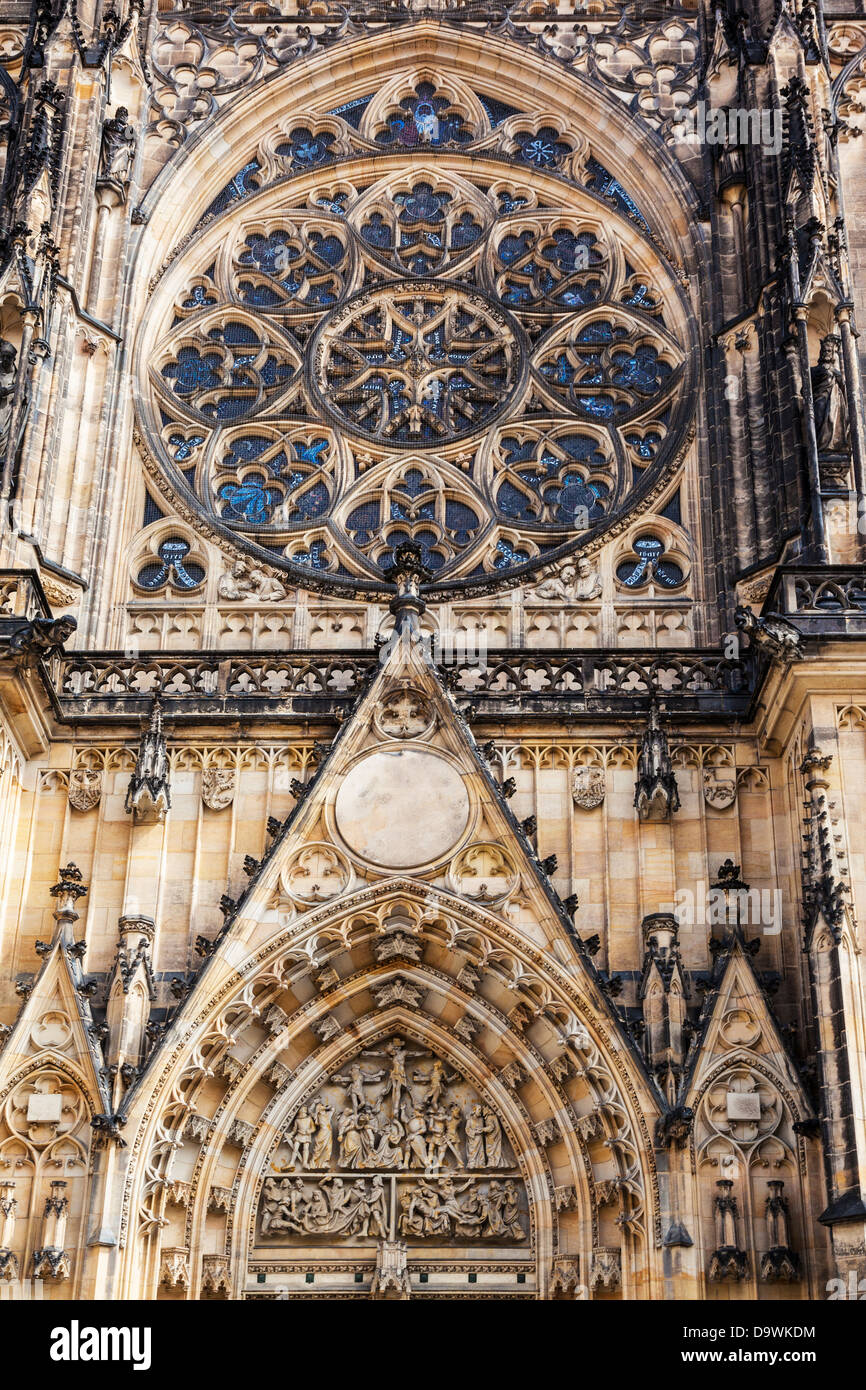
478 354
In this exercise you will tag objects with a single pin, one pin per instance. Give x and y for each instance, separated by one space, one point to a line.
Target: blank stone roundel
402 808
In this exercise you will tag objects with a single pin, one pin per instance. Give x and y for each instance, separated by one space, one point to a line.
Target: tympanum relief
395 1145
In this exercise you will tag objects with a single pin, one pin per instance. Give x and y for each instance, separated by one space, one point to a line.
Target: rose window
487 356
418 365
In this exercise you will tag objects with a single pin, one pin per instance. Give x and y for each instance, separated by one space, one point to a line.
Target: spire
656 795
148 796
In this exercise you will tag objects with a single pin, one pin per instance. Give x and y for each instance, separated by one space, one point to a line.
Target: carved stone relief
435 1159
483 873
588 787
217 788
719 792
85 788
316 874
404 713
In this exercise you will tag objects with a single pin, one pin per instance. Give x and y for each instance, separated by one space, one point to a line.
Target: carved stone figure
148 795
475 1136
40 638
323 1141
355 1080
302 1137
217 788
118 148
575 582
8 364
771 634
243 582
828 398
656 793
588 787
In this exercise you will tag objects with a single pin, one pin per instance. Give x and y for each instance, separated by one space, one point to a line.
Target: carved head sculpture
829 347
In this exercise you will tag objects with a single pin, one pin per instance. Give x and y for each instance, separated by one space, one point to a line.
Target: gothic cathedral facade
432 649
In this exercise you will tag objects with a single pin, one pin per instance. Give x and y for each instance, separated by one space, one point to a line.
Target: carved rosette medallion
404 713
315 874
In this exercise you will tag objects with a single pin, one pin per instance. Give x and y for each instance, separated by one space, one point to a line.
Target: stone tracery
414 313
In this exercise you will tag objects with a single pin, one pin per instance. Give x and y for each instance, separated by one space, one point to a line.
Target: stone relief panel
437 1165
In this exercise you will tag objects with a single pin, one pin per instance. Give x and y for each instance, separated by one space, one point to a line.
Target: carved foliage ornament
316 874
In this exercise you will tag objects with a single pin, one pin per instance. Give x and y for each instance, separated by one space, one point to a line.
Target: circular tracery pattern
484 365
417 364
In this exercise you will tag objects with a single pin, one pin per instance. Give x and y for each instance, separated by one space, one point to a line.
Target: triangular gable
404 793
55 1026
740 1025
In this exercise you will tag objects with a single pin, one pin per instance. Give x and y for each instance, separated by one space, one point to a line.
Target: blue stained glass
497 111
465 232
649 566
250 447
312 503
251 501
422 204
425 119
512 248
544 149
184 448
311 452
646 447
271 254
352 111
603 182
413 483
559 370
512 502
376 232
305 148
602 407
506 556
198 298
461 521
192 371
640 369
336 205
236 188
172 569
509 203
328 248
315 557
